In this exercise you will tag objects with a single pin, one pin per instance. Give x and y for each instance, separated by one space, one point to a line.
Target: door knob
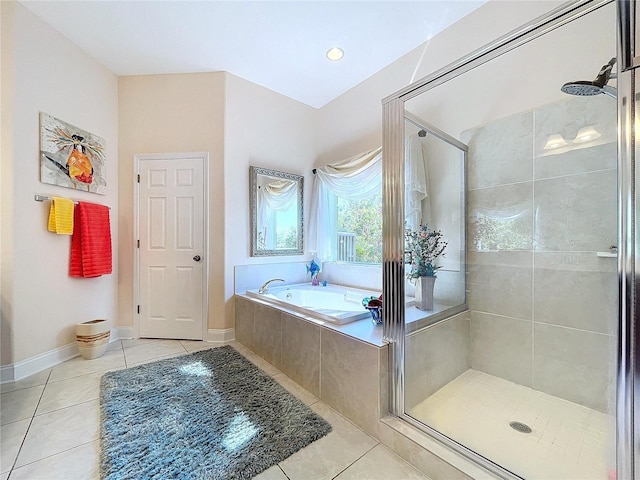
197 258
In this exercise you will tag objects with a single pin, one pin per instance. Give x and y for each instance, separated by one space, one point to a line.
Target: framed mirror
276 212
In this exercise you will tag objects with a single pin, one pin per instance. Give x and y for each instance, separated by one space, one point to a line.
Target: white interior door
171 221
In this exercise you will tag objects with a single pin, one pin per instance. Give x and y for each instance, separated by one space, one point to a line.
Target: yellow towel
61 216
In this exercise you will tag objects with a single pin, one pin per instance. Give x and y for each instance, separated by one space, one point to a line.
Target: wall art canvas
71 157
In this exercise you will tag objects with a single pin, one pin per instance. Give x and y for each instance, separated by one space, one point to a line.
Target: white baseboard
25 368
30 366
220 335
121 333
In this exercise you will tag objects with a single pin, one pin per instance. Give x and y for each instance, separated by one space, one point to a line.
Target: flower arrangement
424 246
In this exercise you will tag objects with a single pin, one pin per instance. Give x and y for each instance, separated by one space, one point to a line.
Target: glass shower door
526 376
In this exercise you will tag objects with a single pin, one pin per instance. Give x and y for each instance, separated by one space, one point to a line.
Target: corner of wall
6 183
171 114
261 128
35 263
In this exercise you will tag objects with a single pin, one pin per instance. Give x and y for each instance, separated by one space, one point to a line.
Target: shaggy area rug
207 415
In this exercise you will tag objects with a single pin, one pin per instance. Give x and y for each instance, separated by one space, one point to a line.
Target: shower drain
520 427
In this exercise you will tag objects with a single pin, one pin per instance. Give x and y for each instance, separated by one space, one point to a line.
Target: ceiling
280 45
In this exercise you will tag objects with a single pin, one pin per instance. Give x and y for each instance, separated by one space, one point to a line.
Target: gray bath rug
207 415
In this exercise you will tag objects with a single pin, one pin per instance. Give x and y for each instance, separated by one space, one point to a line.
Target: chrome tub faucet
265 285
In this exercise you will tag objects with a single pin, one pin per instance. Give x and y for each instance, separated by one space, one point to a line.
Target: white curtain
355 178
278 196
360 177
416 184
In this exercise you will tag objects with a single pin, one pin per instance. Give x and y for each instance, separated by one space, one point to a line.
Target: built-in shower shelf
607 254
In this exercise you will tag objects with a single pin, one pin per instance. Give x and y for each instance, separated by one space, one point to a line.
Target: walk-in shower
522 377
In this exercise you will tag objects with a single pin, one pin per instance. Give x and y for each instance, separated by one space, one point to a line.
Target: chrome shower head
598 86
581 88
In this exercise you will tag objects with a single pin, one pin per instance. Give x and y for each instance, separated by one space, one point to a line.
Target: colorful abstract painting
71 157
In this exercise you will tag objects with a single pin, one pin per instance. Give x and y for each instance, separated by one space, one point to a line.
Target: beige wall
353 122
237 122
264 129
6 181
240 124
167 114
44 72
522 79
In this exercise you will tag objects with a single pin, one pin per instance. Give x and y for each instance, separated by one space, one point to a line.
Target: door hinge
138 178
138 243
138 309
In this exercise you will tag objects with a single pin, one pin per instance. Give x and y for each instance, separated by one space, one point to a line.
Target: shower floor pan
567 441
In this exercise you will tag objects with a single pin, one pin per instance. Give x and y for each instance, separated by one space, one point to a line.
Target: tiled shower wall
543 304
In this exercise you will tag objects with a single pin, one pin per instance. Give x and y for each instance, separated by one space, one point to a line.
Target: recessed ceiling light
335 53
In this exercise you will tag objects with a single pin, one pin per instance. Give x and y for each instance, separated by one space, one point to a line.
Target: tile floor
49 423
568 441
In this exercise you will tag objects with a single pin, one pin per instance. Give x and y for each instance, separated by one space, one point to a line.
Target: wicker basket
93 338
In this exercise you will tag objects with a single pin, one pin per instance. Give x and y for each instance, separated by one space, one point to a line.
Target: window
346 210
359 226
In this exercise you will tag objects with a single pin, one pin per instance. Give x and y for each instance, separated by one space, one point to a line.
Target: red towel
91 241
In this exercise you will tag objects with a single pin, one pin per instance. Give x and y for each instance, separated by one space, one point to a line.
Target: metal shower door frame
628 380
628 433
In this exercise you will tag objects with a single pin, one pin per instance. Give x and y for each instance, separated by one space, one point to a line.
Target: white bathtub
334 303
